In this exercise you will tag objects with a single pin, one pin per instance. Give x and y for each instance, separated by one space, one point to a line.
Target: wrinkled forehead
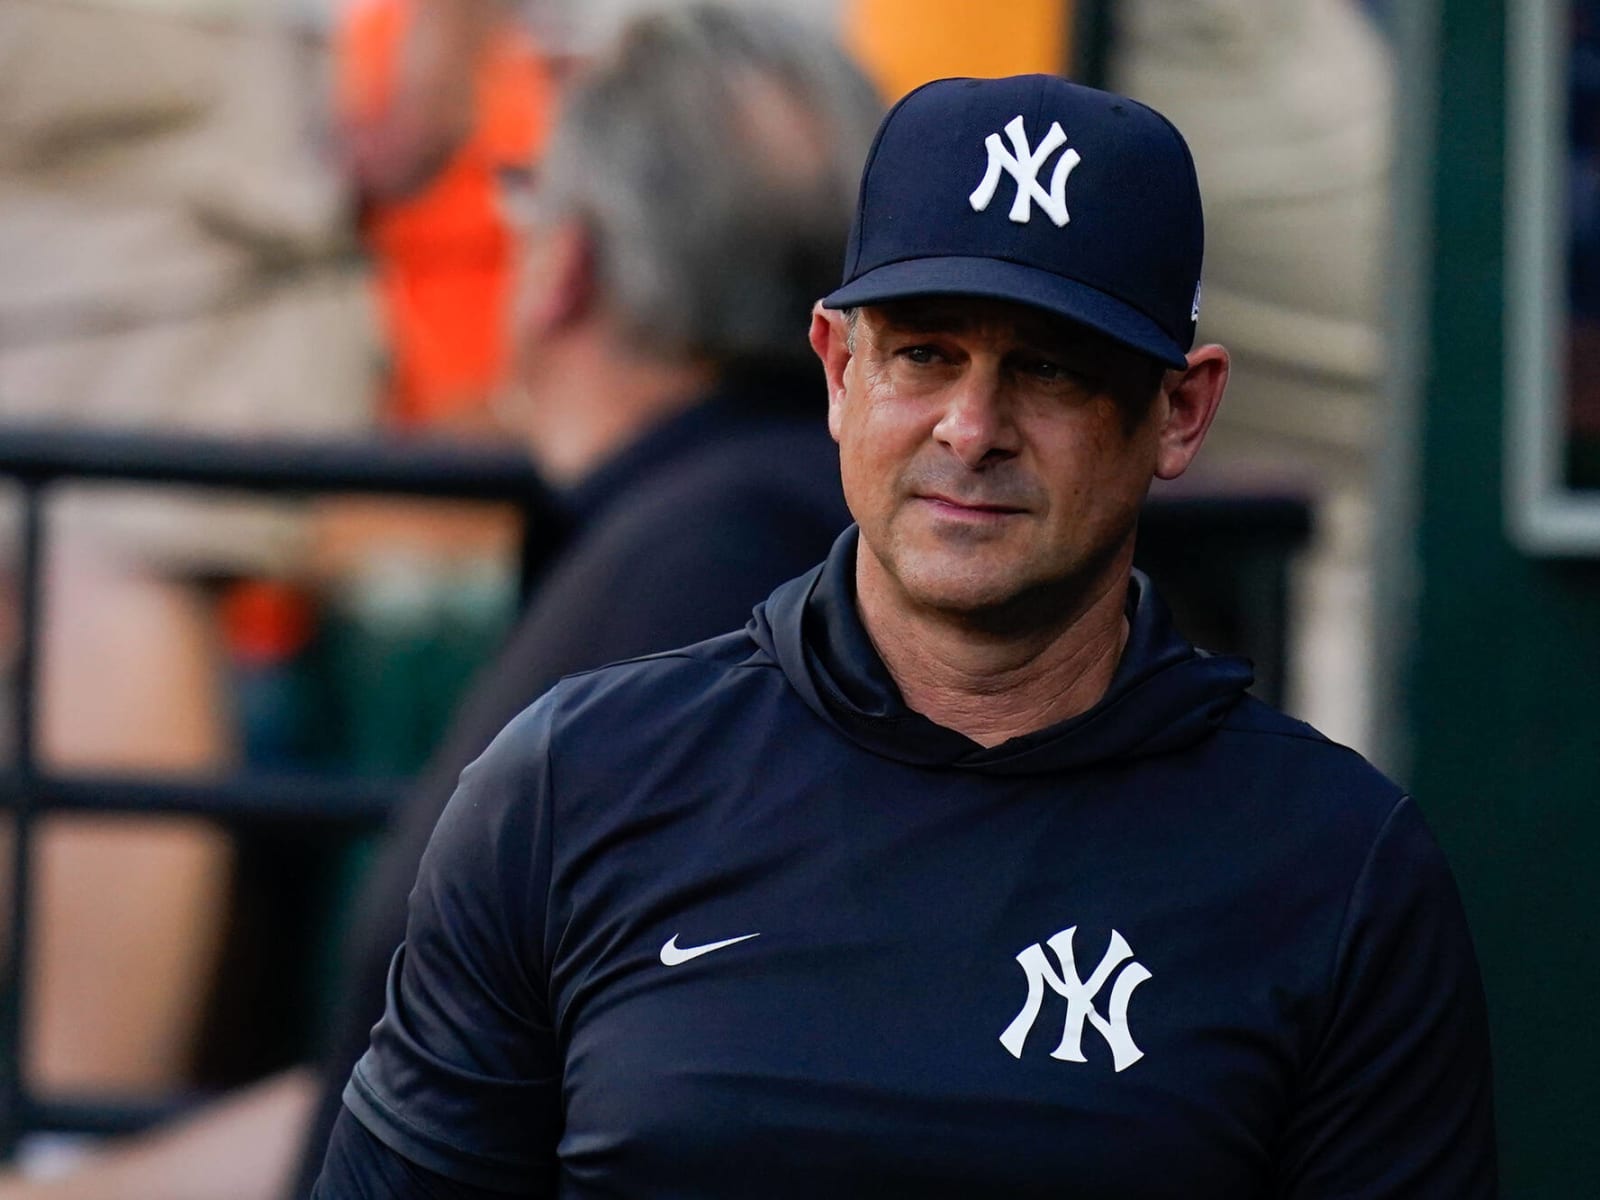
995 318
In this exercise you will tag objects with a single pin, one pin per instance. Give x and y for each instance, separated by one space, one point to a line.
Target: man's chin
983 581
995 594
962 586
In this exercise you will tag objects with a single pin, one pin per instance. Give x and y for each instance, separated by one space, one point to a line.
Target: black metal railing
39 459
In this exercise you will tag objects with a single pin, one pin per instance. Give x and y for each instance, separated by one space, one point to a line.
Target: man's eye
920 355
1051 371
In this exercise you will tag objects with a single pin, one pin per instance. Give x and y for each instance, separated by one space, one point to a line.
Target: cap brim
1002 280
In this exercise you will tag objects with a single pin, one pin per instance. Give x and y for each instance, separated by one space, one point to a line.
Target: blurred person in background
175 255
694 197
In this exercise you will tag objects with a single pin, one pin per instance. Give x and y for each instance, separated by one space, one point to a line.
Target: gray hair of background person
714 154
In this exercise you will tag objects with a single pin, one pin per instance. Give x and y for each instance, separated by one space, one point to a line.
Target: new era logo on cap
1120 250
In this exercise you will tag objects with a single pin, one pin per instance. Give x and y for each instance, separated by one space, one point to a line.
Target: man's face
994 456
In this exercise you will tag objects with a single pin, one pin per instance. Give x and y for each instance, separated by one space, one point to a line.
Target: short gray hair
714 154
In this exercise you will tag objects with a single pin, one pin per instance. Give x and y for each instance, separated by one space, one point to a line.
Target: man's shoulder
683 552
1295 765
673 681
787 461
1254 722
731 651
767 496
620 707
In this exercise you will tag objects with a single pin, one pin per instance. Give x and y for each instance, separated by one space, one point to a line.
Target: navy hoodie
733 921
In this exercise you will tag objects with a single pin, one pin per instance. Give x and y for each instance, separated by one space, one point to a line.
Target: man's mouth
971 509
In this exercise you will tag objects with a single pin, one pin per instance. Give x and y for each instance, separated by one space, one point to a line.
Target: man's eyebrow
1042 334
930 319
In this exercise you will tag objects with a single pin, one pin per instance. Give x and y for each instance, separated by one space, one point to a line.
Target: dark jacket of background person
678 537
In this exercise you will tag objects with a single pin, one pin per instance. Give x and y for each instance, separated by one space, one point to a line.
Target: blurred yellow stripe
903 43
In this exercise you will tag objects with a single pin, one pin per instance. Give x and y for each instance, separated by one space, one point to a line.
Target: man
957 872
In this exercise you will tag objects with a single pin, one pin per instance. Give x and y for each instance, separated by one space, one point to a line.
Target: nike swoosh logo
672 954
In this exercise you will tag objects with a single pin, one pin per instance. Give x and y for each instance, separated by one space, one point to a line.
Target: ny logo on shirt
1023 164
1080 996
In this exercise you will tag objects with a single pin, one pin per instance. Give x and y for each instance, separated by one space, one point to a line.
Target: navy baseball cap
1037 190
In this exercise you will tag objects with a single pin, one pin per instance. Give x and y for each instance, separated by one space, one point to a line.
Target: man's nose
976 423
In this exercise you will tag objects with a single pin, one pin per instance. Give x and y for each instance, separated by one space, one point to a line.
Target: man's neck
590 398
992 685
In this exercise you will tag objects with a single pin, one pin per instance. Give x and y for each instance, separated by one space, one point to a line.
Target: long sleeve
1398 1099
360 1167
462 1078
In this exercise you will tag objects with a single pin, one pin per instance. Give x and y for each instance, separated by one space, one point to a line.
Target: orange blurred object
905 43
443 256
266 621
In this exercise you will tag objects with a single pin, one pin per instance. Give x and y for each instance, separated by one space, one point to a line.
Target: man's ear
1188 402
558 277
830 338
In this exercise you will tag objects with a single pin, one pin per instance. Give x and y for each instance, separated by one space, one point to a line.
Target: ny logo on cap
1023 163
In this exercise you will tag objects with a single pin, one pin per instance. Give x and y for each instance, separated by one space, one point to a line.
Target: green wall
1500 677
